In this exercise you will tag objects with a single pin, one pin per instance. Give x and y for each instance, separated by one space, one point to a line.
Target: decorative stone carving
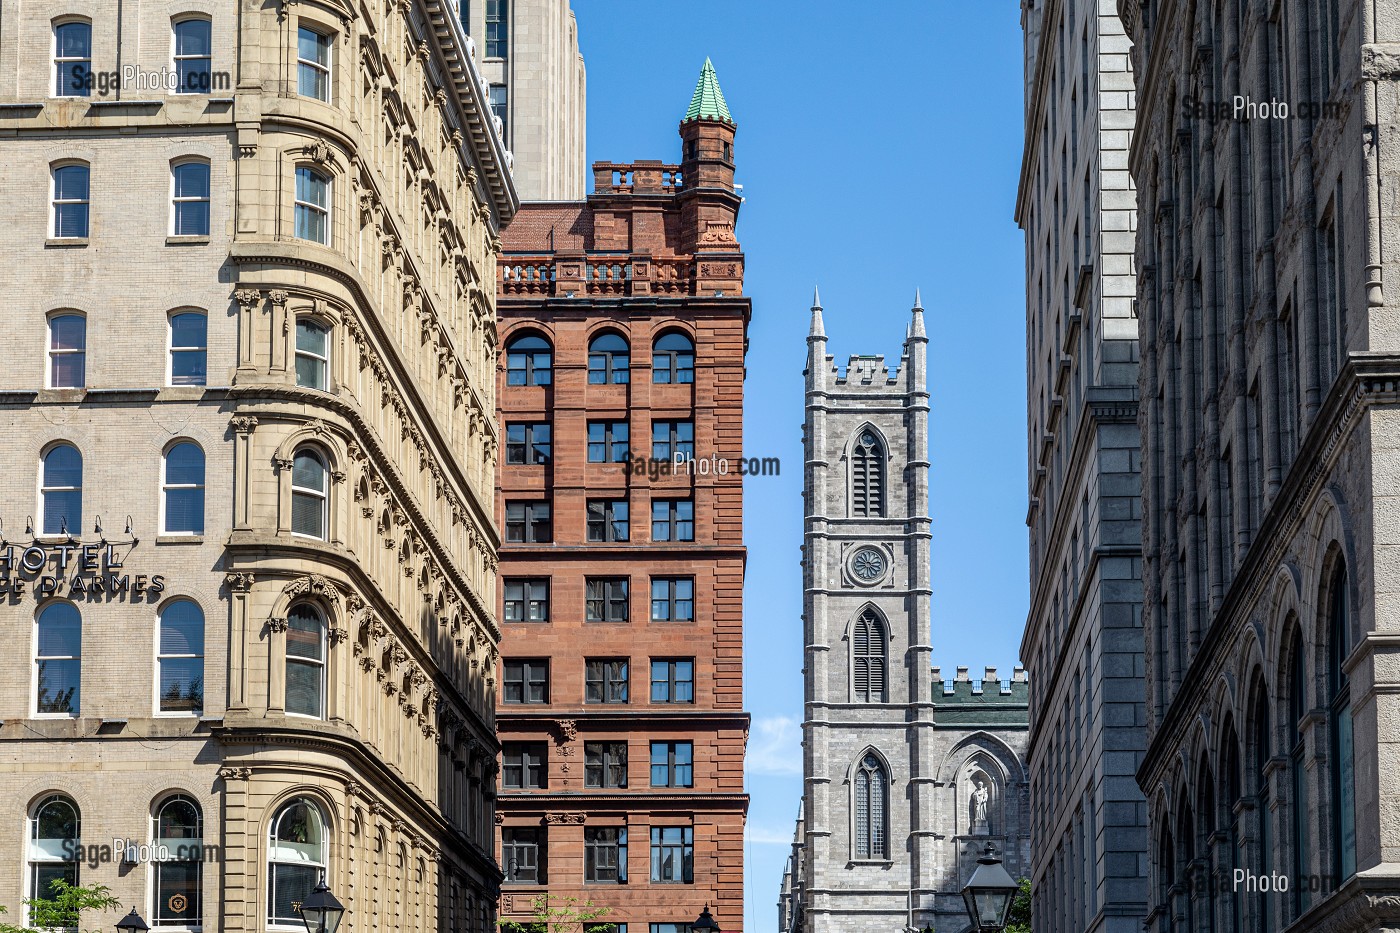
243 424
276 625
235 773
248 298
238 582
313 585
318 152
567 818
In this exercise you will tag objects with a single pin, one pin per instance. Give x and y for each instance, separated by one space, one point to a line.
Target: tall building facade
248 549
1083 637
1269 419
621 708
906 780
529 55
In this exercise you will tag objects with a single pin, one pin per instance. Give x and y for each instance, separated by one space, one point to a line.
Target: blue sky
878 146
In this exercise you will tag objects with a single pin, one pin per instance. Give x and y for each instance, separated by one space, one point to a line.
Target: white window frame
327 68
176 57
30 851
298 204
56 60
52 352
54 200
322 664
34 672
166 486
323 358
154 830
171 349
270 860
44 490
176 200
160 656
324 495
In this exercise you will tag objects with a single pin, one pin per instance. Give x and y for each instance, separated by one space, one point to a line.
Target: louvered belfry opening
869 668
868 477
872 810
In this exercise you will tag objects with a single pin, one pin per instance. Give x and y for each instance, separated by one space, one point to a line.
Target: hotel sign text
77 571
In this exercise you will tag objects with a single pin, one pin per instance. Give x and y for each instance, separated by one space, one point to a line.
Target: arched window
182 489
61 491
72 59
71 192
189 198
1339 694
869 658
312 208
309 494
608 360
194 50
54 830
189 348
313 354
673 359
868 476
178 876
296 857
529 361
58 653
1297 768
1231 790
872 810
180 658
306 661
1262 750
67 351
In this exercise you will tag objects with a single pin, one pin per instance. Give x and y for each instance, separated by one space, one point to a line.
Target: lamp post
705 923
132 923
988 893
321 912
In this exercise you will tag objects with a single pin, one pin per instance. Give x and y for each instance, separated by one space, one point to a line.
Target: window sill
179 539
67 242
873 863
200 240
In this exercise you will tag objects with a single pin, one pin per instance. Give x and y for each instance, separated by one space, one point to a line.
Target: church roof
707 103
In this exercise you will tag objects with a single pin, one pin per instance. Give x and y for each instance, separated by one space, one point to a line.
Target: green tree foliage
1018 918
64 908
554 914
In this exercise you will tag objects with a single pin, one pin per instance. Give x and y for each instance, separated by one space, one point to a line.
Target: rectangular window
605 854
527 600
70 202
72 59
58 653
672 854
523 766
312 353
67 351
188 349
313 64
608 442
672 599
312 208
190 199
500 107
604 764
606 599
605 680
672 764
607 520
523 854
672 520
528 523
194 62
671 440
497 28
181 658
526 681
527 443
673 680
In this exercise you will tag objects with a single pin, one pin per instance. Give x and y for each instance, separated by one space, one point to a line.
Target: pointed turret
707 175
916 327
707 103
818 329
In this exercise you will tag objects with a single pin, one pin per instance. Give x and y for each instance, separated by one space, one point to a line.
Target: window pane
70 183
73 40
303 688
184 465
181 684
307 516
308 472
182 629
188 368
192 37
178 894
60 631
192 218
311 372
63 466
291 884
188 331
58 686
192 180
184 511
311 337
305 634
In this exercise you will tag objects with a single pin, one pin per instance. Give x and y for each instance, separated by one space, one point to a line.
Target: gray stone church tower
906 779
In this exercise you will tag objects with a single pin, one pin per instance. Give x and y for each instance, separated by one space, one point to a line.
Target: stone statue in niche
979 809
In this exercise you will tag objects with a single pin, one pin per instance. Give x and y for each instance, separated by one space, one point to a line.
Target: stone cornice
1367 379
248 397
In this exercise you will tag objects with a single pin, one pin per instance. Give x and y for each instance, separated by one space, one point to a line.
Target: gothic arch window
872 809
869 660
868 476
1339 709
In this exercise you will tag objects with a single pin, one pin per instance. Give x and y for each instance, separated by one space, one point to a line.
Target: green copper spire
708 100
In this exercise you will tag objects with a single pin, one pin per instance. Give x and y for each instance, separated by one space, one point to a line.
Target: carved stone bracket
239 582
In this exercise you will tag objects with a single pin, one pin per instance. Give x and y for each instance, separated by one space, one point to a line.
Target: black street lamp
132 923
988 893
705 923
321 912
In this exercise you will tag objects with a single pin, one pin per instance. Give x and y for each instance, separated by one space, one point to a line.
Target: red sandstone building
620 713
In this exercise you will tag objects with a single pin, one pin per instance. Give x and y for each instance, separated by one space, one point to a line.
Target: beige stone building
247 553
528 51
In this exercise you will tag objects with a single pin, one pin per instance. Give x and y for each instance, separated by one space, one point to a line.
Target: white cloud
775 746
